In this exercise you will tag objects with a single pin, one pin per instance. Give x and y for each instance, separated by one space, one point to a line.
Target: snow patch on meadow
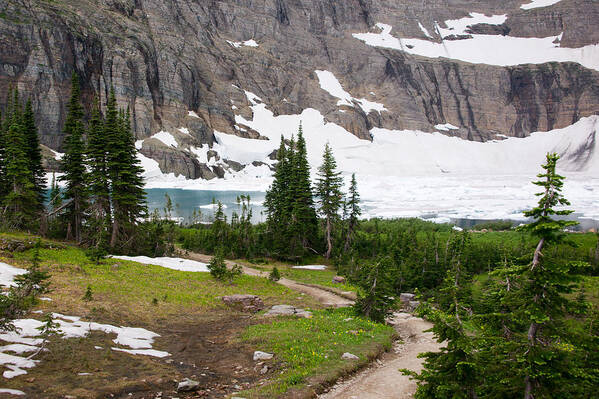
8 274
185 265
26 337
310 267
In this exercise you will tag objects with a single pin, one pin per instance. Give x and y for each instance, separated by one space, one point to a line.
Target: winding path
382 379
322 295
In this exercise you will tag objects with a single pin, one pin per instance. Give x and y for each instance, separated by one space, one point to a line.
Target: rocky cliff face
187 64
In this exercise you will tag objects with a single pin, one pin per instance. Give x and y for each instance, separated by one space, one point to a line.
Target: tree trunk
77 206
115 231
329 244
534 327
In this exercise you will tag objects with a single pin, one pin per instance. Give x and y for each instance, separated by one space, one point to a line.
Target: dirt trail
323 296
382 379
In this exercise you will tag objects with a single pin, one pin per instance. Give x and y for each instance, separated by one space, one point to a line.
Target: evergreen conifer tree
353 207
541 299
34 154
73 164
277 201
328 189
98 184
304 224
125 172
21 199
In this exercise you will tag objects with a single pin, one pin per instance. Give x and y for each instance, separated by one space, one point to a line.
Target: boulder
188 385
259 355
288 310
339 280
349 356
405 297
246 303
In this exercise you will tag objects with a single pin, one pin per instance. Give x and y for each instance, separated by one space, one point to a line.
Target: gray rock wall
166 58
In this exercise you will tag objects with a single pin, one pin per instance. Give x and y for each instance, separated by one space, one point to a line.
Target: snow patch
167 138
193 114
329 83
185 265
538 4
252 98
446 127
310 267
247 43
485 49
240 149
184 130
12 391
424 30
8 274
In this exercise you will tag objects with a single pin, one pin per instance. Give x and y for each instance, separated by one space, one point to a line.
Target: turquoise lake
186 201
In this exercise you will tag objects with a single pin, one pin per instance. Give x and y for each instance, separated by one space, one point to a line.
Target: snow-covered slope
415 173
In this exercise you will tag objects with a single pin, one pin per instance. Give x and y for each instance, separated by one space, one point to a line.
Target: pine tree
34 154
375 291
353 207
21 200
328 190
543 285
73 164
98 184
125 172
452 372
304 224
3 131
277 201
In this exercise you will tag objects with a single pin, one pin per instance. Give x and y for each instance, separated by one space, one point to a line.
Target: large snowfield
417 174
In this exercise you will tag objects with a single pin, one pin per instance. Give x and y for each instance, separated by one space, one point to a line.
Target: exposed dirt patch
202 347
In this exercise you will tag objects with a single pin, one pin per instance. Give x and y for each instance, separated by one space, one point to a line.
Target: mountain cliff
194 71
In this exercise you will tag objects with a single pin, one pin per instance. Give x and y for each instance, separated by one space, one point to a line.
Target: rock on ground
259 355
288 310
247 303
187 385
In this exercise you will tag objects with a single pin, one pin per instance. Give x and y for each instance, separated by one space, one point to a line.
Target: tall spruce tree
304 224
354 211
543 287
98 184
328 190
21 200
3 131
276 201
125 172
34 154
73 164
